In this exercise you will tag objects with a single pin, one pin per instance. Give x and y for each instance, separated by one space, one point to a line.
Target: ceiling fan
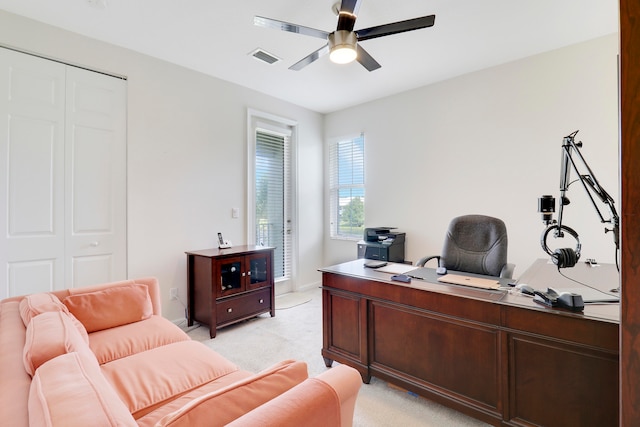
342 44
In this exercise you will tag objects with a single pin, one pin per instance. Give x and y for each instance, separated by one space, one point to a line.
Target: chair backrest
475 244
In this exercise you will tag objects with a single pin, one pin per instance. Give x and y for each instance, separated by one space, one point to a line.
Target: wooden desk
494 355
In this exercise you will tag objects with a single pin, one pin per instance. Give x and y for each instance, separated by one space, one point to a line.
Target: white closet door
32 109
96 178
62 176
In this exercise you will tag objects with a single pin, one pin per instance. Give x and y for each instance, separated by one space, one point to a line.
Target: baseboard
303 288
178 322
309 287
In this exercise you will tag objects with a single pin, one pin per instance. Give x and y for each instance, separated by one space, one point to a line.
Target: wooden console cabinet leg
328 362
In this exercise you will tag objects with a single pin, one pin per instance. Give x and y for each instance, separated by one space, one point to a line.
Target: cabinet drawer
246 305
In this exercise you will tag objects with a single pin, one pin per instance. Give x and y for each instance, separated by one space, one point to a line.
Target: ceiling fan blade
350 6
395 28
347 14
261 21
310 58
366 60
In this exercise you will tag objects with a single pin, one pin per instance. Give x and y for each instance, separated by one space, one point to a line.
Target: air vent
264 56
97 4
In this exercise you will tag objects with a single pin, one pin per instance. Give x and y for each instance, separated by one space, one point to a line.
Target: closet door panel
32 112
96 178
62 176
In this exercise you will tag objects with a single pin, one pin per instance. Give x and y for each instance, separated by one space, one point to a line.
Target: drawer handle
261 301
248 273
229 310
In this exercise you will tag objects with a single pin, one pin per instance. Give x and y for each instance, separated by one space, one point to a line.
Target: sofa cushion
35 304
49 335
147 380
220 407
121 341
70 391
153 287
32 305
313 403
15 381
111 307
150 418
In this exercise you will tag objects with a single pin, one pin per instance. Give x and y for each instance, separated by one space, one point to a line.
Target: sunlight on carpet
291 299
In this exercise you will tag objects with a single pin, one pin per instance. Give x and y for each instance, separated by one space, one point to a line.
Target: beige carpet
296 333
292 299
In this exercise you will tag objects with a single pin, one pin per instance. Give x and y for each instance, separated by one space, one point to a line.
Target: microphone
547 206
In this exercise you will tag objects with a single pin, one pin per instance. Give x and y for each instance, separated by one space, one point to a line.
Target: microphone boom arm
590 184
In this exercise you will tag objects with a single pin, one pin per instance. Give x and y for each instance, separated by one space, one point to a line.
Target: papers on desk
470 281
394 268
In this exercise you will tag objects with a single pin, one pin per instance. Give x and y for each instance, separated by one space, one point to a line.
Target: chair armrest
327 399
422 261
507 271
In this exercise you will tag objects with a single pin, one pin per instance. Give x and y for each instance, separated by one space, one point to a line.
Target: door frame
253 115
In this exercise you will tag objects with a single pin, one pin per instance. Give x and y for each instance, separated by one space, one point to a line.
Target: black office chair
475 244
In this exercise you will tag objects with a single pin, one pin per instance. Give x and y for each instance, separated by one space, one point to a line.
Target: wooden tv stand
494 355
226 286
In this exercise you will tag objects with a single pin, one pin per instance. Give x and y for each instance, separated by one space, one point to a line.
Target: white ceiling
216 37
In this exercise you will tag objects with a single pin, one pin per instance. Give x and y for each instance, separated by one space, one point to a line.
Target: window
346 170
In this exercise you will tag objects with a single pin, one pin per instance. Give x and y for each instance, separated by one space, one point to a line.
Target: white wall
186 155
489 142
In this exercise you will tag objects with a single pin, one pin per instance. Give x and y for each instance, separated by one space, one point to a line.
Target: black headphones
563 257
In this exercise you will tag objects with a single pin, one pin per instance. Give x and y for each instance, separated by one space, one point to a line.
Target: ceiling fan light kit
342 44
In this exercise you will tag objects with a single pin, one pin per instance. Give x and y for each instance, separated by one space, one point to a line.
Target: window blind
272 198
347 188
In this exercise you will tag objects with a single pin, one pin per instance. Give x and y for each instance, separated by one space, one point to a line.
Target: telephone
223 244
552 298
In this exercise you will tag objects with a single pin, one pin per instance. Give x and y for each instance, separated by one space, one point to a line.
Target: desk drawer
246 305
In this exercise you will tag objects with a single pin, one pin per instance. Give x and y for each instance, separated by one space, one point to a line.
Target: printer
383 244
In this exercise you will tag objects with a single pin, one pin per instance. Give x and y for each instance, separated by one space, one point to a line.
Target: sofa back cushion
153 287
122 341
108 308
220 407
49 335
70 391
45 302
32 305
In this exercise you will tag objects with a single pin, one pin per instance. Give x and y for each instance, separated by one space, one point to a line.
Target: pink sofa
104 356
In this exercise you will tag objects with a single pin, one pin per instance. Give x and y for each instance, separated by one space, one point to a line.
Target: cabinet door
229 276
259 267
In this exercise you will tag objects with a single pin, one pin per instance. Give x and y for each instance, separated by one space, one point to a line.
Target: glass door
259 270
271 216
231 276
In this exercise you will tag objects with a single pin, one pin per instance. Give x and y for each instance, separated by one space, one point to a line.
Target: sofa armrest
328 399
